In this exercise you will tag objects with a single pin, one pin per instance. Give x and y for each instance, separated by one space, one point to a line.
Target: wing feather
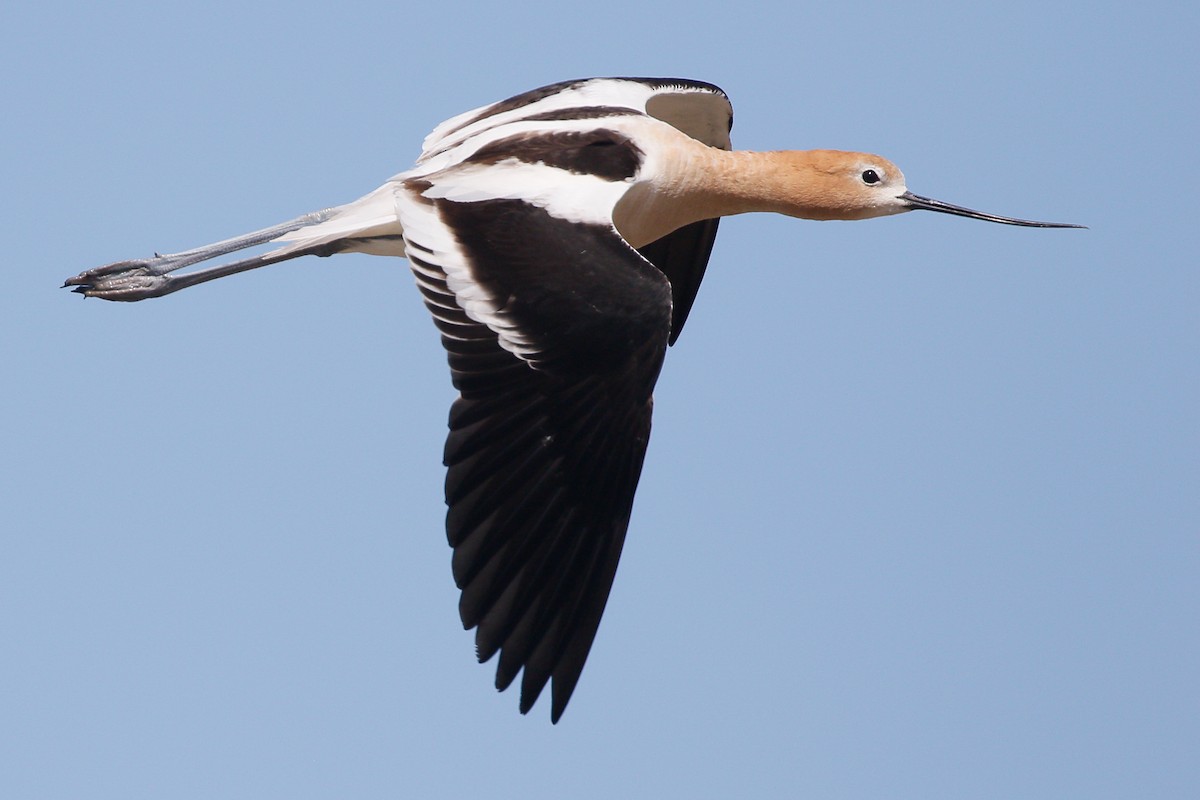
546 444
701 110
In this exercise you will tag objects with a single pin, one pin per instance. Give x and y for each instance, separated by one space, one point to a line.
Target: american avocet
559 238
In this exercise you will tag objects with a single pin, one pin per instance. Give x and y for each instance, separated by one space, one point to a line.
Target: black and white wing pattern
556 330
701 110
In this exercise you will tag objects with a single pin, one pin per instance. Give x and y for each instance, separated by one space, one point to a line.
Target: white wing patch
430 241
567 196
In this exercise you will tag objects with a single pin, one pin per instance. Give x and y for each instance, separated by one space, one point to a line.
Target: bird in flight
559 238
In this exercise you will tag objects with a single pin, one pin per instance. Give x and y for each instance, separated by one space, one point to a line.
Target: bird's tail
370 224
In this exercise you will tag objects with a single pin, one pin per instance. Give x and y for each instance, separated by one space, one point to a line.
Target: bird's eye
870 177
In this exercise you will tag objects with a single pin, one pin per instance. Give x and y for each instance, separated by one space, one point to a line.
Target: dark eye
870 177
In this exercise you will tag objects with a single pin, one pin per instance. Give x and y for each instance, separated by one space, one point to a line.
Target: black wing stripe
607 154
515 102
580 112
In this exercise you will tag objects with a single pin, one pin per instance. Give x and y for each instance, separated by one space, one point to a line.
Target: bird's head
835 184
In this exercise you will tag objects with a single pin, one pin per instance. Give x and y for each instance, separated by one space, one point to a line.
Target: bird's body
558 238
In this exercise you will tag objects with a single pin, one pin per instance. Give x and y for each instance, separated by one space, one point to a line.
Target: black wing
546 444
683 256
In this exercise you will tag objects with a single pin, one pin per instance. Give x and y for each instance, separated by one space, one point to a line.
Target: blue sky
919 517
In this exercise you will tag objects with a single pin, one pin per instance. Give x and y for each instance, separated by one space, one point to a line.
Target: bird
558 238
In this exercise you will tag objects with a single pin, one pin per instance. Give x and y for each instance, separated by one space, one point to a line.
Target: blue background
919 518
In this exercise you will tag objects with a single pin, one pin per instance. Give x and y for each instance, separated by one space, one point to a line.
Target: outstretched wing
555 329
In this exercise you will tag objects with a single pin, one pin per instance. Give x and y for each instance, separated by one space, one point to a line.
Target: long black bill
929 204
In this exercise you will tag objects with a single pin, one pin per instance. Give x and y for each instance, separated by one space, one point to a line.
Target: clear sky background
921 513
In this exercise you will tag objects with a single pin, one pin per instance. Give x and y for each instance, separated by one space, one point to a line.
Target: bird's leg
149 277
